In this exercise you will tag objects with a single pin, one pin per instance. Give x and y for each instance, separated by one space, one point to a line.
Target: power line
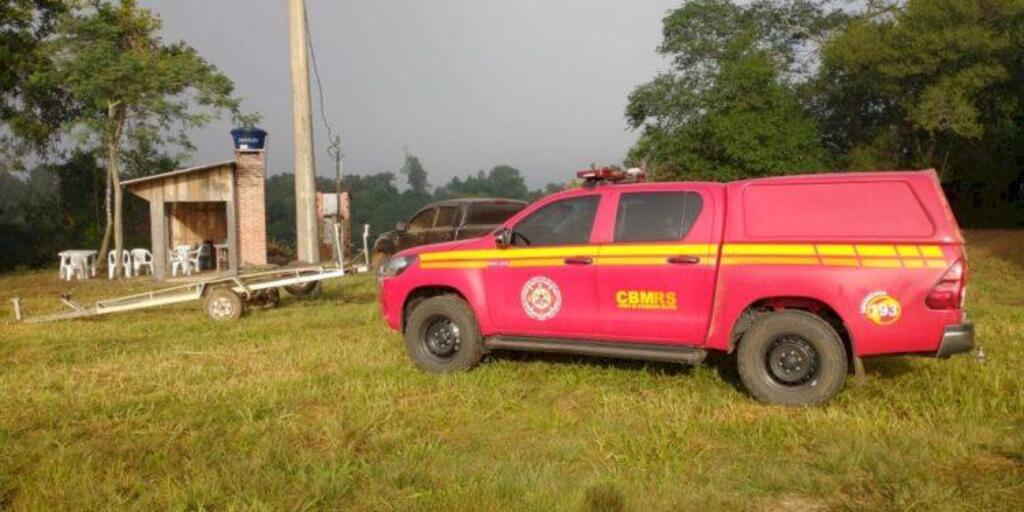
335 141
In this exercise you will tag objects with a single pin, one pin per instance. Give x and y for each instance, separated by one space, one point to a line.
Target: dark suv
445 221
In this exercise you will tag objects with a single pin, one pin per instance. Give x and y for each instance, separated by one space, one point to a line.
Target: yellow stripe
639 260
836 250
843 255
768 260
539 262
658 250
453 264
511 254
841 262
876 250
768 250
881 263
908 251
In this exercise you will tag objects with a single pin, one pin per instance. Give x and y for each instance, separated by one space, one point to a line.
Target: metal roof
178 172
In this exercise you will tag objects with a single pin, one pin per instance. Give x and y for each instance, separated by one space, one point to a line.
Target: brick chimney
250 184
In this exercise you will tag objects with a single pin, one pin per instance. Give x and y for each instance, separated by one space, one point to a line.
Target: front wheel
378 259
792 358
442 335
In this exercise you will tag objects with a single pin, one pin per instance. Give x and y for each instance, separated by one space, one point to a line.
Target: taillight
949 292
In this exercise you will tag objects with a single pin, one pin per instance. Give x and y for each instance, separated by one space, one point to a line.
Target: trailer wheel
223 304
264 299
792 358
304 290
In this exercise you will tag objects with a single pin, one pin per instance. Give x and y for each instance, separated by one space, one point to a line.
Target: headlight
396 265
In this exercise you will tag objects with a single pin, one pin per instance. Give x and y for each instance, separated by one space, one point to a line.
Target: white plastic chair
141 258
71 266
126 263
183 258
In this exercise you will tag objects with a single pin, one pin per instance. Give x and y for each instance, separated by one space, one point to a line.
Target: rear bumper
956 339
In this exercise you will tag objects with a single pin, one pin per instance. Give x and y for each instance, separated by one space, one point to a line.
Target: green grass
314 405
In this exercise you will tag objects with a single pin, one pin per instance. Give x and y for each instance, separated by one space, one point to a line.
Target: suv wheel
378 259
792 358
442 336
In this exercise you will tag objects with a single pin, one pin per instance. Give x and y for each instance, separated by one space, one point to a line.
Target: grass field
314 405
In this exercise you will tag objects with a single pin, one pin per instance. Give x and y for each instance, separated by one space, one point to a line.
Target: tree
730 106
130 88
30 111
415 174
933 83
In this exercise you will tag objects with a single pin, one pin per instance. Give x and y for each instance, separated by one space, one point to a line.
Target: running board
612 349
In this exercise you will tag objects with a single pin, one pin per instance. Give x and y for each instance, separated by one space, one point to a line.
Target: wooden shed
222 203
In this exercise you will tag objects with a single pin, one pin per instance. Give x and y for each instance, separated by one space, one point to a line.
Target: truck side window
447 217
656 216
486 214
565 222
422 221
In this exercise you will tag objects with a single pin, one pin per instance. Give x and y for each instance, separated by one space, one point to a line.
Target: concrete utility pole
302 119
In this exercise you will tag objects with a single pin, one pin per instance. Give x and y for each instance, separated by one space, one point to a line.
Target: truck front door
656 273
543 285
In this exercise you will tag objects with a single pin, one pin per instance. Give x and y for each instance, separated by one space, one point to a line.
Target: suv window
447 217
491 214
422 221
656 216
565 222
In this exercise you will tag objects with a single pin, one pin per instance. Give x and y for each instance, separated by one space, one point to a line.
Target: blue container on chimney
249 139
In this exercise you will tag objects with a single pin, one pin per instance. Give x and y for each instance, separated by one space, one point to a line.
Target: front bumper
956 339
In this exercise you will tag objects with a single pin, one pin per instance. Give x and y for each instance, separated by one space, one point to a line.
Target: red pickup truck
797 276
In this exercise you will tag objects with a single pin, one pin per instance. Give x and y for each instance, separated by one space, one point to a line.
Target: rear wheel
222 304
792 358
442 335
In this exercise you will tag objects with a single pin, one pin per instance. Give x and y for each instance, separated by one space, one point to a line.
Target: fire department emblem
881 308
541 298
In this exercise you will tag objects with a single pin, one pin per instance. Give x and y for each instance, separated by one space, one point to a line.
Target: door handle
579 260
683 260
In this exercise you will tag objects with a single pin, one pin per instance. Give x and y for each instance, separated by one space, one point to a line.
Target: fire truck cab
796 276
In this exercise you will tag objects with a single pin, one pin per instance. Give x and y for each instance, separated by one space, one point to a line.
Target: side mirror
503 238
401 226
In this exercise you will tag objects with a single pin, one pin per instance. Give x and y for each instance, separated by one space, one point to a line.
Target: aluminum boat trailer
226 297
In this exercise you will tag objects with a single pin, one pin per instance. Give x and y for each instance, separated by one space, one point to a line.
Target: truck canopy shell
856 207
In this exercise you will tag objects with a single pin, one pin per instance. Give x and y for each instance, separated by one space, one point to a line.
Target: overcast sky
464 84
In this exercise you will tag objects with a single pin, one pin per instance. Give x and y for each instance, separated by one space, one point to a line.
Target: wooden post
158 233
302 123
232 221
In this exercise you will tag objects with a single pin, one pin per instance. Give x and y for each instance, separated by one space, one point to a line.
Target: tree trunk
116 112
108 205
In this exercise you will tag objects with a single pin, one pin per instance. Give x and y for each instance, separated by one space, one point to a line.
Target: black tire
223 305
434 350
792 358
303 290
378 259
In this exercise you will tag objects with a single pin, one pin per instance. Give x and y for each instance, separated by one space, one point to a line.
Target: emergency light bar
592 177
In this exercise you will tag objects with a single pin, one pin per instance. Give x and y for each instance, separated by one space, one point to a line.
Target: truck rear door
656 269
